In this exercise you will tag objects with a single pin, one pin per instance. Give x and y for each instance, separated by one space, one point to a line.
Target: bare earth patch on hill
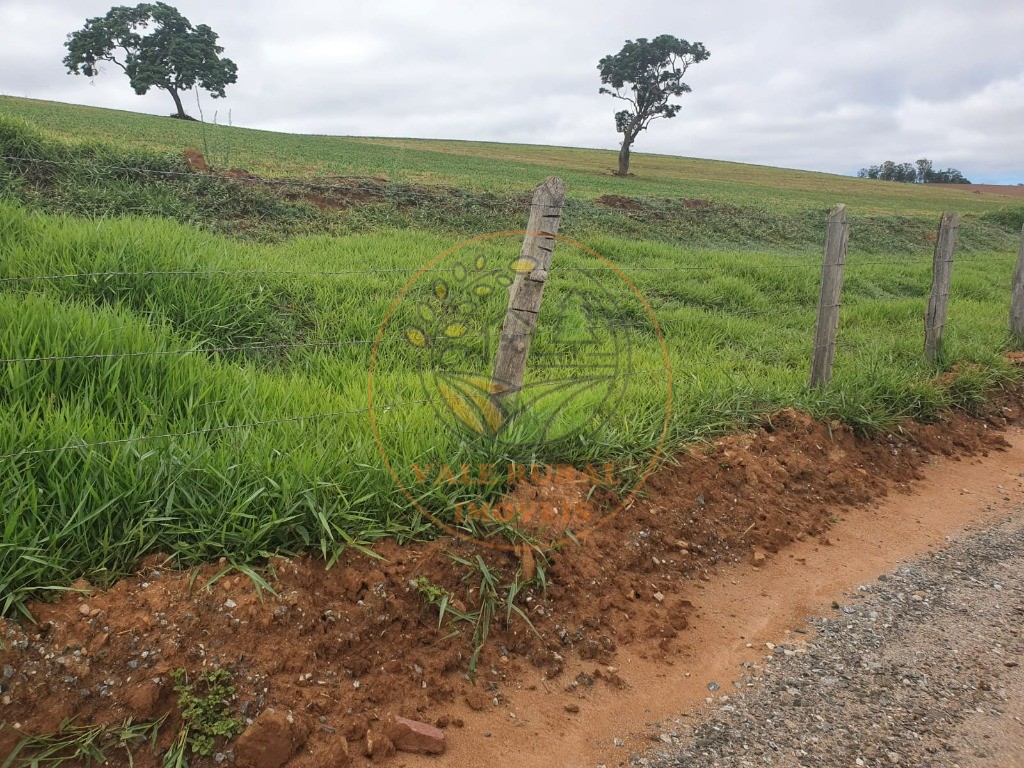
1008 190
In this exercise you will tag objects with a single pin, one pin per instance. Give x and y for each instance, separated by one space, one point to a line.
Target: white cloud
796 83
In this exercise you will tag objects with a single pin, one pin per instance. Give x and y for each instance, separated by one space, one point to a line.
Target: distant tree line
920 172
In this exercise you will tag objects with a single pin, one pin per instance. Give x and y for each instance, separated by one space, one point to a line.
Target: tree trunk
624 156
177 102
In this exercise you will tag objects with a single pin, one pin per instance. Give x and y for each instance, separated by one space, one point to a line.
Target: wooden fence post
1017 295
838 235
527 288
942 270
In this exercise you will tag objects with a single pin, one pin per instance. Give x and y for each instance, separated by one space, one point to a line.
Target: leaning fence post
825 326
1017 295
527 288
942 270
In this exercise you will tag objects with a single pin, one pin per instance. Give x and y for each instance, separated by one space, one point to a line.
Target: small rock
229 604
84 609
413 736
759 558
267 743
572 708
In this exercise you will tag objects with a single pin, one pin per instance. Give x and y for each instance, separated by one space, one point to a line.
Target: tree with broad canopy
156 47
646 74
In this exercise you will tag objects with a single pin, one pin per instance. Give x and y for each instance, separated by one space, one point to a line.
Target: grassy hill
497 168
185 357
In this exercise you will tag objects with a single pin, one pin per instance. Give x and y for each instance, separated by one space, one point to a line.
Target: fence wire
358 189
385 408
625 268
361 187
643 325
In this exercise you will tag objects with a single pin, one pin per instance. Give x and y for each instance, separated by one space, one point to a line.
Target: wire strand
268 422
725 268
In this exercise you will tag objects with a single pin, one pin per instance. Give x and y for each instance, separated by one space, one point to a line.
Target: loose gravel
921 668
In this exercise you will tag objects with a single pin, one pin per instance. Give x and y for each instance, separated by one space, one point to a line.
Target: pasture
186 357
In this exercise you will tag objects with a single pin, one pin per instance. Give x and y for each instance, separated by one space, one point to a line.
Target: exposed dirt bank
635 620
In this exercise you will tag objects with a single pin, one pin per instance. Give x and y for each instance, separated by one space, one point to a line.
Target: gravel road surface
921 668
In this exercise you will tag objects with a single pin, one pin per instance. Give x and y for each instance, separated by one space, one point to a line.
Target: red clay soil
321 667
620 202
988 189
629 204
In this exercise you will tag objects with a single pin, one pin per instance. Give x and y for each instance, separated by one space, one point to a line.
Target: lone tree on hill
156 47
646 74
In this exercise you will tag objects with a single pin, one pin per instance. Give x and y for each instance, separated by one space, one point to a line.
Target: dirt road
745 607
894 679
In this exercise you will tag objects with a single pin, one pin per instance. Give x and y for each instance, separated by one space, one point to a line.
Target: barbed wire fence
823 349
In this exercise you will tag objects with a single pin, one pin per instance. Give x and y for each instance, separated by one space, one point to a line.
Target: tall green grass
271 449
207 396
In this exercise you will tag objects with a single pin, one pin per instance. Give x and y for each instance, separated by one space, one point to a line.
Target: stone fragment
413 736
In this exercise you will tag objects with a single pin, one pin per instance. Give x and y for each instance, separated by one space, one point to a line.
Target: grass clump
81 744
245 365
1010 217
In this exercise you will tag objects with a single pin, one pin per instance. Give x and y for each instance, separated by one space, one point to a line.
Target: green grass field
498 168
183 387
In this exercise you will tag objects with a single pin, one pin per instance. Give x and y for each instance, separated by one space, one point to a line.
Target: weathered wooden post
1017 295
942 271
527 288
832 268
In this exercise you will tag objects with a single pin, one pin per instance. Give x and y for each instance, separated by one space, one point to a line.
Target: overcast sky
795 83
